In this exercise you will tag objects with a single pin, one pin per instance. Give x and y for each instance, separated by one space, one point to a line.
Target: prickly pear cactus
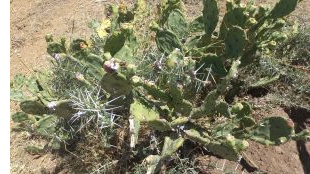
175 91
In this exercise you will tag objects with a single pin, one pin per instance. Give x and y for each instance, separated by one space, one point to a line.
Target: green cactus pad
22 116
171 145
34 150
303 135
241 145
142 113
125 54
272 131
265 81
176 23
213 61
223 151
46 126
235 42
114 43
179 121
246 122
222 108
197 25
196 136
210 15
283 8
235 17
17 95
116 84
153 163
33 107
207 106
167 41
159 124
241 109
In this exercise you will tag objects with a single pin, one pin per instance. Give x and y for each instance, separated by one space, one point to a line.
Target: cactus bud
49 38
171 62
135 79
250 22
56 56
230 140
79 77
83 45
242 145
52 105
154 26
236 108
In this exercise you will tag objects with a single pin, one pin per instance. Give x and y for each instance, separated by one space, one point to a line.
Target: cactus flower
110 66
56 56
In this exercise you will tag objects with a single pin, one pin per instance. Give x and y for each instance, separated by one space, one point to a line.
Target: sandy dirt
31 20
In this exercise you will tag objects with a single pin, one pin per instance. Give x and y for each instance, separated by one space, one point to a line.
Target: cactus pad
235 42
273 131
167 41
210 15
283 8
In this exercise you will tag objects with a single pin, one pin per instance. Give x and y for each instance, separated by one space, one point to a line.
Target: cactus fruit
210 15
